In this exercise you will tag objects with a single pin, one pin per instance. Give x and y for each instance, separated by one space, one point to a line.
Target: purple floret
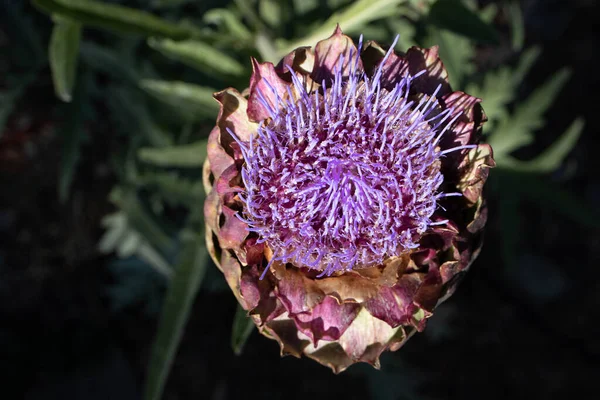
347 175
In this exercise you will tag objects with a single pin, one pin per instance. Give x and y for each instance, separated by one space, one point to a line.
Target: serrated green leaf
63 53
199 55
193 102
182 290
241 330
185 156
351 19
552 157
542 98
499 87
115 18
517 131
526 61
452 15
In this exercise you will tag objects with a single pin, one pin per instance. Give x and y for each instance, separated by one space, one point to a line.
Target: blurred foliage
153 67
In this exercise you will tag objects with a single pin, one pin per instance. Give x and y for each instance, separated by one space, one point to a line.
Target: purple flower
345 196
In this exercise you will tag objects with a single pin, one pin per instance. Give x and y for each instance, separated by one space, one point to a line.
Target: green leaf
185 156
130 108
115 226
456 51
487 13
153 258
174 189
63 53
265 47
140 220
73 134
351 19
199 55
107 61
270 12
230 22
129 245
241 330
517 131
115 18
543 97
119 236
302 7
552 157
496 91
526 61
517 25
193 102
405 29
456 17
334 4
247 10
182 290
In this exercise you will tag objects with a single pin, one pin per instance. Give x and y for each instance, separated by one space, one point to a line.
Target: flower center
345 176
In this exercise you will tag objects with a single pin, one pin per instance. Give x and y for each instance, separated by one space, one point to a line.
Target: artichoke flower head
345 196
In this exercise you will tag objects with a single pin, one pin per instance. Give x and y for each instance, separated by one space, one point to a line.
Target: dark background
529 331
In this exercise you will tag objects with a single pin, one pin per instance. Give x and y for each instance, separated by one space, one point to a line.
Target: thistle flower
345 196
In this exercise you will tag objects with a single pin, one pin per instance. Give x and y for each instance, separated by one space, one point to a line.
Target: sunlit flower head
345 196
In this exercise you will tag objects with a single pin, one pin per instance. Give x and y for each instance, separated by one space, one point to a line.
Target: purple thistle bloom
345 176
345 196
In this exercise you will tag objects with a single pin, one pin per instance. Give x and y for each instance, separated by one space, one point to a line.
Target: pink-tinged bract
345 196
